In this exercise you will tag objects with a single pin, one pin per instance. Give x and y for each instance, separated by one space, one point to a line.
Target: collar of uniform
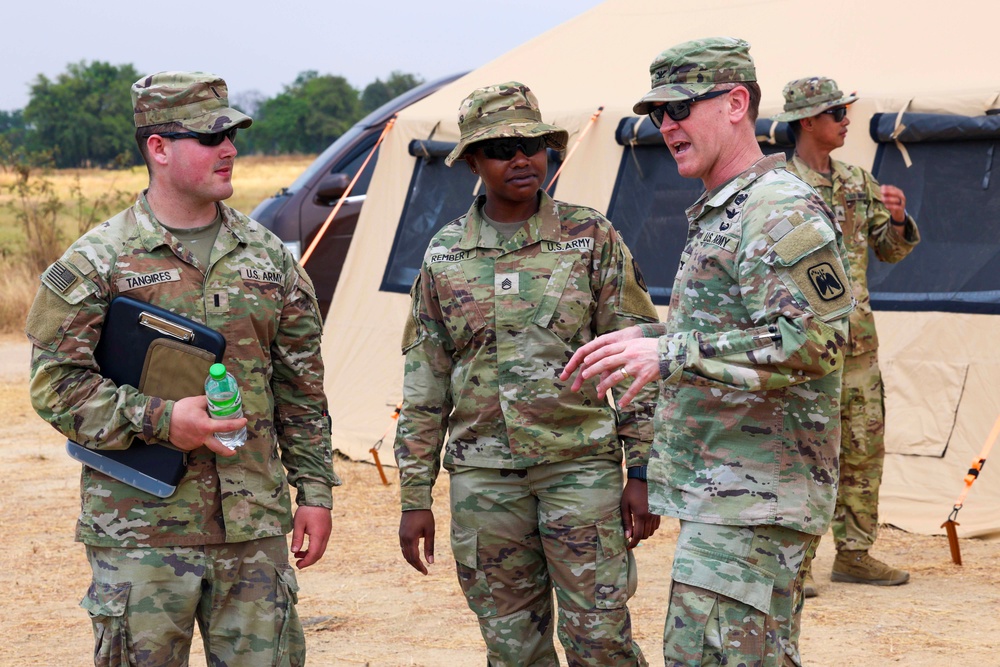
812 177
842 171
153 233
543 226
721 195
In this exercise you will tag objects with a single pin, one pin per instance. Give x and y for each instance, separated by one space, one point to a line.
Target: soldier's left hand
634 359
316 524
639 523
895 201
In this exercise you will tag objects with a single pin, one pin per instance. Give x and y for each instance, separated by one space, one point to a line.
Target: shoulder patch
59 277
807 254
633 294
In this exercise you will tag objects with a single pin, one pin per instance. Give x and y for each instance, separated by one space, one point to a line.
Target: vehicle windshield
320 162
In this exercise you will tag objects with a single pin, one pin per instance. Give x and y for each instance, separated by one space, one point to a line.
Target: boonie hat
805 98
693 68
198 101
504 110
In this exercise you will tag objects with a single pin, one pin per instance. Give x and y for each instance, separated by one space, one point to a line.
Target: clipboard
161 354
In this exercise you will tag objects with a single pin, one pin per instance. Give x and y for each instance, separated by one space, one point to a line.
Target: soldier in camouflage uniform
504 295
875 216
215 550
749 365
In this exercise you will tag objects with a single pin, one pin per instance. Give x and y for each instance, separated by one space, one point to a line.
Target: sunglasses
679 110
506 149
838 113
213 139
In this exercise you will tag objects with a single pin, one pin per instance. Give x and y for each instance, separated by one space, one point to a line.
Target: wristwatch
637 472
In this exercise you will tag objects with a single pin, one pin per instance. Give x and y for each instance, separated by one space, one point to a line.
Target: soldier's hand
895 201
191 426
415 525
593 351
639 523
618 356
316 524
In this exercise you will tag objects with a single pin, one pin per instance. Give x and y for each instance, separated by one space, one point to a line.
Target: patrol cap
808 97
693 68
198 101
504 110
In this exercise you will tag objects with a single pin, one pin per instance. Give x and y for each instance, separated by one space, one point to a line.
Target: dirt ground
362 605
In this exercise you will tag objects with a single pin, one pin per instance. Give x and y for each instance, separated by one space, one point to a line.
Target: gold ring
625 374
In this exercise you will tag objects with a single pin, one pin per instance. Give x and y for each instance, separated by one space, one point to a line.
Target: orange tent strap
340 202
590 123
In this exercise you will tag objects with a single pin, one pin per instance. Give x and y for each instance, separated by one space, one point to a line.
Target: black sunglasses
506 149
679 110
838 113
213 139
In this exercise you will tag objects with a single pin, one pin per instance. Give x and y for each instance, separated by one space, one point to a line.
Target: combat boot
809 585
857 567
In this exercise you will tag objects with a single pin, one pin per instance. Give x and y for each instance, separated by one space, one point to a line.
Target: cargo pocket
291 647
107 604
465 547
615 570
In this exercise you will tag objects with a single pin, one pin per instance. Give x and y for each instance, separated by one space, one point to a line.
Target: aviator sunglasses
213 139
506 149
679 110
838 113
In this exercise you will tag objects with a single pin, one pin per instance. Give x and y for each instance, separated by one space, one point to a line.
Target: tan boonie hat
198 101
693 68
805 98
504 110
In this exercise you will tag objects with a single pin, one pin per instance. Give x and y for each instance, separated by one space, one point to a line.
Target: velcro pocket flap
464 545
107 599
801 242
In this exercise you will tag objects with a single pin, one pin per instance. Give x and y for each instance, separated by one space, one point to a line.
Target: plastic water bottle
225 402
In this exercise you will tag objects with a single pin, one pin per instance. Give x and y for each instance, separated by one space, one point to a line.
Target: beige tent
942 369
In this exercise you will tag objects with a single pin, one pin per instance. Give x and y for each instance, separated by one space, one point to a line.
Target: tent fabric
601 59
921 127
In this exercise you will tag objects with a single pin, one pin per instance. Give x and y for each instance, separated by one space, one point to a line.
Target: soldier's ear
158 149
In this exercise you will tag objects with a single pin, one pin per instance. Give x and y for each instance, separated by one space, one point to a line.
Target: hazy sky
260 45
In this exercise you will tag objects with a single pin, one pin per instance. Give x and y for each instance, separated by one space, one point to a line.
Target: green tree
379 92
12 129
85 115
306 117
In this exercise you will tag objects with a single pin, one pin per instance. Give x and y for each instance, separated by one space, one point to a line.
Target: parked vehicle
297 212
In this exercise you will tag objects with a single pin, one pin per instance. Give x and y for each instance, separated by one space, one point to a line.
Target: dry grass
254 179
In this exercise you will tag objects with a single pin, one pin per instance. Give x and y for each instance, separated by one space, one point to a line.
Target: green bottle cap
217 371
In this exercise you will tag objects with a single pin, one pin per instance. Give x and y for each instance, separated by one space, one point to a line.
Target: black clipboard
133 332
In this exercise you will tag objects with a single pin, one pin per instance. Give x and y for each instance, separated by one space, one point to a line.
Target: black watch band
637 472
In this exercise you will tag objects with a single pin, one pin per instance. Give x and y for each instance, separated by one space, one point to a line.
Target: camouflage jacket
856 200
493 324
747 427
257 296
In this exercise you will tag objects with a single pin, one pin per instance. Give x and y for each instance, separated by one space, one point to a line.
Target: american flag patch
60 277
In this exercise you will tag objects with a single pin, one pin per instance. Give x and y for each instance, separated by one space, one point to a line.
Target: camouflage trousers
519 534
862 453
736 596
144 602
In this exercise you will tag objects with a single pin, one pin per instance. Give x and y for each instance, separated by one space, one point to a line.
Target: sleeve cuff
673 351
313 494
415 498
653 329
